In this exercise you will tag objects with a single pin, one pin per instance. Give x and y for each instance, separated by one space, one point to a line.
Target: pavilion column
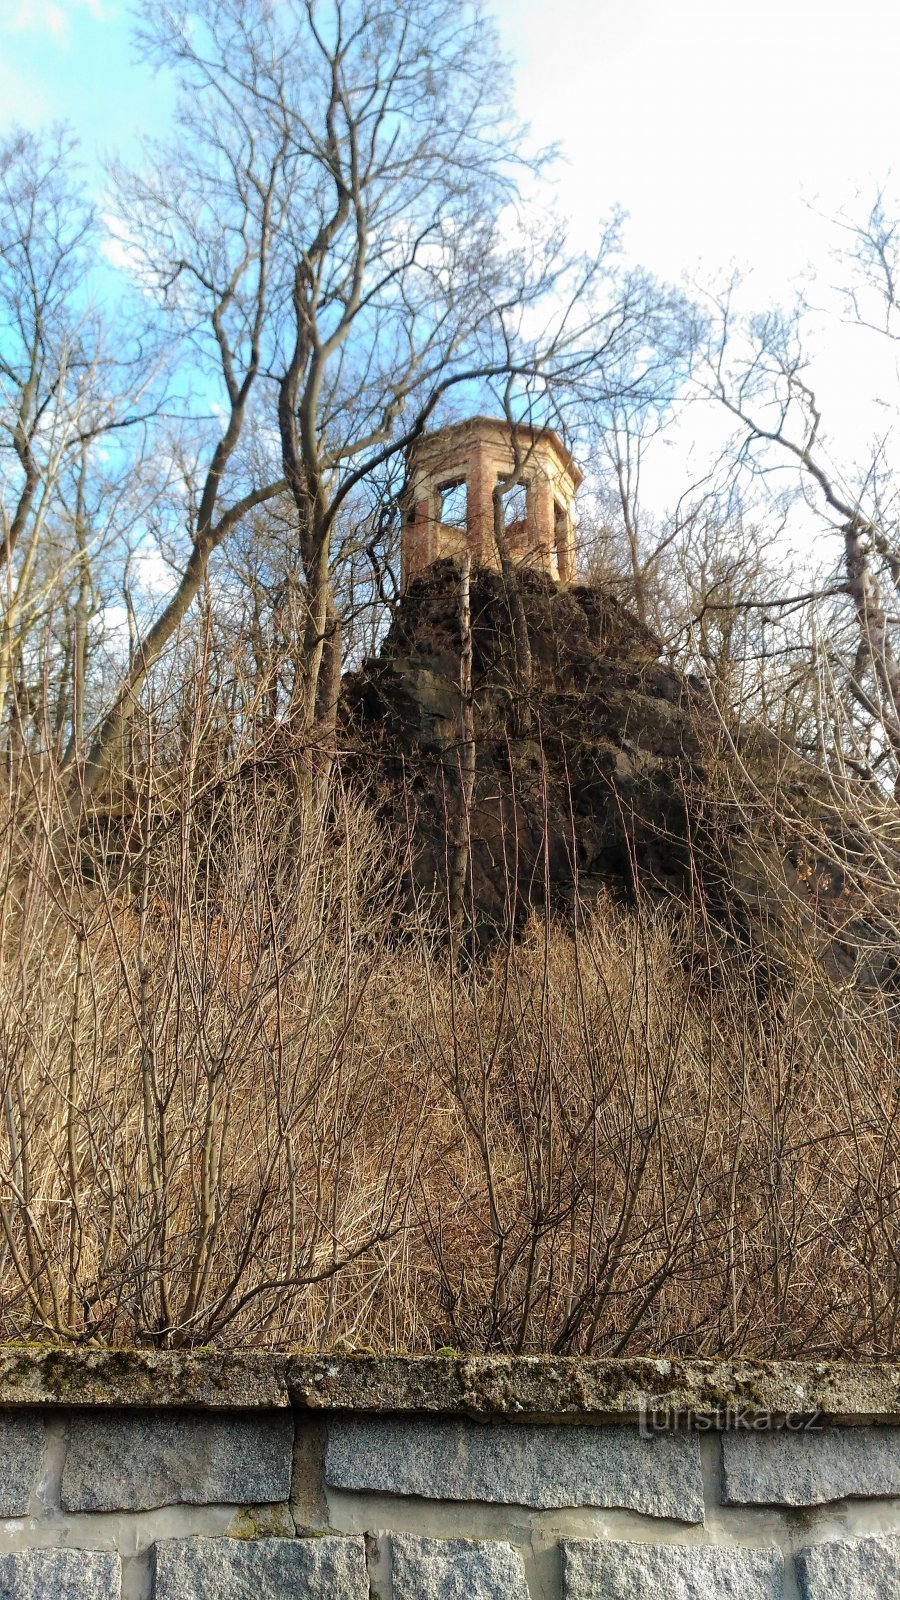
417 541
479 488
541 515
565 547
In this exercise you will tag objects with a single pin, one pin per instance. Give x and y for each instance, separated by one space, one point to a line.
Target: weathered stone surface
513 1386
60 1575
573 1386
455 1569
21 1443
524 1464
850 1569
617 791
329 1568
238 1380
131 1461
809 1468
597 1569
309 1506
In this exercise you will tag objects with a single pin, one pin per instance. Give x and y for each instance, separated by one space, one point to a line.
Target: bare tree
199 225
46 227
337 239
759 368
67 386
629 545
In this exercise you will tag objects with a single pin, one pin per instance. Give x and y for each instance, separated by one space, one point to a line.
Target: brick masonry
270 1477
477 453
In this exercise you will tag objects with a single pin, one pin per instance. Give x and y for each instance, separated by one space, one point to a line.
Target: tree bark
459 852
512 589
88 778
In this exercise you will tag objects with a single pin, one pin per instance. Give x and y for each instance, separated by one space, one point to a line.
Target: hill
627 781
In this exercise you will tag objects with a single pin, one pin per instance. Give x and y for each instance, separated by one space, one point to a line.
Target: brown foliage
249 1096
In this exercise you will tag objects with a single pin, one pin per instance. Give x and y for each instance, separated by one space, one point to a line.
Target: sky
731 134
726 131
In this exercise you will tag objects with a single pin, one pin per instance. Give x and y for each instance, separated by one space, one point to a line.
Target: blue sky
730 133
72 60
723 129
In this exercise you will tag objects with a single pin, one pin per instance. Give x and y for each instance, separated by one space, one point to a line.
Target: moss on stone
529 1387
261 1522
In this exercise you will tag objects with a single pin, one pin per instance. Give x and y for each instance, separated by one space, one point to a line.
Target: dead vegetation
252 1095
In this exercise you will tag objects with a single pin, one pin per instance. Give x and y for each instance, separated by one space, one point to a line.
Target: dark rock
616 786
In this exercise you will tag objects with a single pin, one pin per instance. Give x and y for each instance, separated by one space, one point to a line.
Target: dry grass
249 1096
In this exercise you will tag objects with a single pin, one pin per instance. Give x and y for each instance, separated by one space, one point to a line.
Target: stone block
328 1568
850 1569
597 1569
21 1446
570 1388
133 1461
232 1380
810 1467
309 1506
60 1575
455 1569
518 1464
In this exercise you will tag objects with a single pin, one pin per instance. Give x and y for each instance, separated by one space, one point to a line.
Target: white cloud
55 17
152 574
117 246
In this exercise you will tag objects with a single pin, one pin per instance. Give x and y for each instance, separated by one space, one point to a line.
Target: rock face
602 778
599 773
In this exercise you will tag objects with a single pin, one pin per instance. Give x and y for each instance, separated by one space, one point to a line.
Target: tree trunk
459 851
874 634
80 631
513 592
328 688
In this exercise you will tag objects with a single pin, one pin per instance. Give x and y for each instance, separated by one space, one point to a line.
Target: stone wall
127 1476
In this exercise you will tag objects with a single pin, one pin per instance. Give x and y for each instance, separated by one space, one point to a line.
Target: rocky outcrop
616 785
592 797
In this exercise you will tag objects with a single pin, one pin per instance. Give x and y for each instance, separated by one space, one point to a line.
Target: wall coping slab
544 1388
531 1388
52 1375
